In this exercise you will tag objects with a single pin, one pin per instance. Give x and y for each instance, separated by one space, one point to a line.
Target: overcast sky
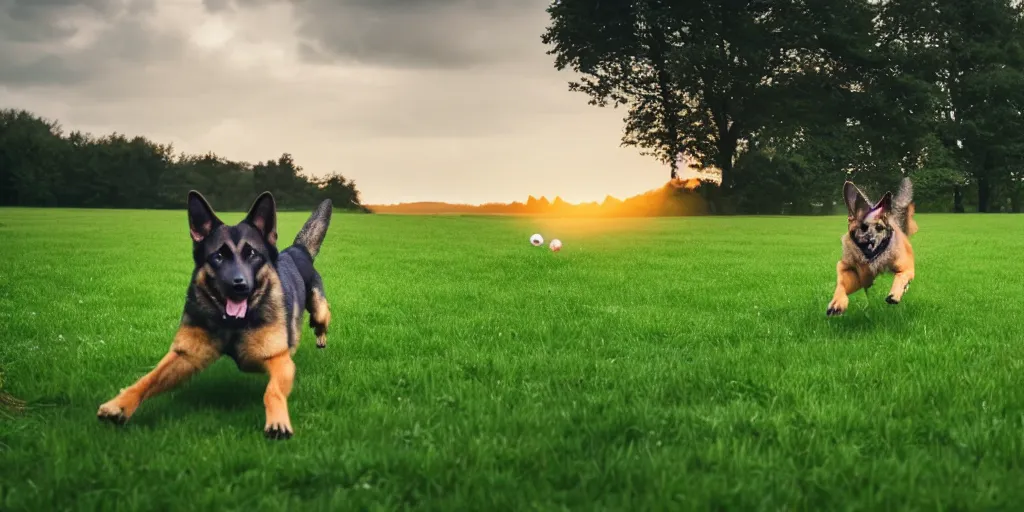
445 100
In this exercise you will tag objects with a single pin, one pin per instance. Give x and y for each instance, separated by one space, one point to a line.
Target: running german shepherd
877 240
245 301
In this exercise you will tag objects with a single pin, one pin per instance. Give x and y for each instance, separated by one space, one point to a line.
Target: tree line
677 198
779 101
40 165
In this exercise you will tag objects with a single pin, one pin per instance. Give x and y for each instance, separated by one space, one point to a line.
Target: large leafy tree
705 79
982 80
631 53
960 61
620 49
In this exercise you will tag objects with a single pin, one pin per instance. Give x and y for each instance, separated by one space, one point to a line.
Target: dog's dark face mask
233 255
869 225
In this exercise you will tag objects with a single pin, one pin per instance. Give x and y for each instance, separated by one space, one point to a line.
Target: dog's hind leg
847 282
904 269
319 310
190 353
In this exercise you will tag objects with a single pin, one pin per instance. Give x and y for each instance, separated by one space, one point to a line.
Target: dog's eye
222 254
249 253
864 227
879 228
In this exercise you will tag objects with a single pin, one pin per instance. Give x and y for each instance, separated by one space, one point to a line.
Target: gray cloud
64 42
421 34
217 5
41 41
19 70
34 20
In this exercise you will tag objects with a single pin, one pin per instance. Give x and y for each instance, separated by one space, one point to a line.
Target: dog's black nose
239 285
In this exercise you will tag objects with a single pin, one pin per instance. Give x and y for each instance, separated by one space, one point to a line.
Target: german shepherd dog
877 240
245 301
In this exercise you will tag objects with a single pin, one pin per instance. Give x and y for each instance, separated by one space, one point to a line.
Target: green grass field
653 364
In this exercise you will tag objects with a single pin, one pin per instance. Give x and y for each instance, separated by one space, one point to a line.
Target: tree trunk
958 199
726 152
670 114
984 194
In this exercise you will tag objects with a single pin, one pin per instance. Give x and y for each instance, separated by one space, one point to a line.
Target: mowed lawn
653 364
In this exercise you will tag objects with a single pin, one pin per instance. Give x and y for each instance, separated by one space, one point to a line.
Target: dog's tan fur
191 352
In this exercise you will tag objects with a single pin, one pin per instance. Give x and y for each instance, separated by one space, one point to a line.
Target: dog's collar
870 255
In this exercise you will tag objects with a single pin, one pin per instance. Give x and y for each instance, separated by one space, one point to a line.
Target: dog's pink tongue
236 309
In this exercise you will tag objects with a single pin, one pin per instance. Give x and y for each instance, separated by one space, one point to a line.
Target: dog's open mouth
236 308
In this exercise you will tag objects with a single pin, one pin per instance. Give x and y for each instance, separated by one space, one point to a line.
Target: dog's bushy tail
903 206
905 195
312 234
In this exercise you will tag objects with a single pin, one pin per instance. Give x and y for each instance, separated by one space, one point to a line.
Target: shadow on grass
221 391
870 315
879 318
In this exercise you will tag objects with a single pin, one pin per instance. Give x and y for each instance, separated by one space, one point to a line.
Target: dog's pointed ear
856 202
883 206
263 216
201 219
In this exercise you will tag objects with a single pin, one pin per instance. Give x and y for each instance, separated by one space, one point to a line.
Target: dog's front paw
837 306
321 341
278 425
891 299
278 430
113 412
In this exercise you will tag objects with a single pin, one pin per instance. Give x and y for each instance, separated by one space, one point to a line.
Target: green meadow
652 364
